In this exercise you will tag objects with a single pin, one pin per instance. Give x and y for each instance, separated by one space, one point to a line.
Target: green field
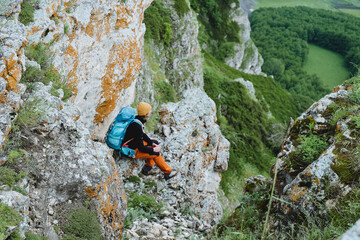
346 6
327 65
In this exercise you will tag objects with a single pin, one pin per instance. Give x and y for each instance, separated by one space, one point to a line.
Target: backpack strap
138 122
125 144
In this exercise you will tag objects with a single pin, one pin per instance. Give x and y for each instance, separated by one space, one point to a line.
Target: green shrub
27 11
311 147
57 84
9 176
141 206
30 113
158 23
339 114
15 236
181 7
66 28
167 34
8 217
134 179
82 224
354 95
164 92
356 120
33 236
146 202
16 155
309 150
32 74
225 50
247 218
20 190
39 53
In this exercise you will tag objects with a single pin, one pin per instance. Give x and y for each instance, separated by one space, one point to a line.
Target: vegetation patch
82 224
247 220
327 65
46 74
31 113
27 11
158 23
141 206
181 7
243 121
218 32
8 217
309 150
9 176
33 236
164 92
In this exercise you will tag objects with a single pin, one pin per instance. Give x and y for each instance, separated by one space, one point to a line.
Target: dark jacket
136 131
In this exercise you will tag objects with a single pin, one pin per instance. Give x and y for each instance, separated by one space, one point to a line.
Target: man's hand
156 147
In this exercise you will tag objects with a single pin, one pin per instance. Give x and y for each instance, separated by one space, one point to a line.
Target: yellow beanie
143 108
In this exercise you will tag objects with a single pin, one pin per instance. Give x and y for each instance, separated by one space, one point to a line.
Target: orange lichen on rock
72 56
12 73
122 68
111 202
297 192
51 9
99 25
123 17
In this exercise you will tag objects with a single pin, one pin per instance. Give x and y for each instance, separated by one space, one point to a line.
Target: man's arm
138 141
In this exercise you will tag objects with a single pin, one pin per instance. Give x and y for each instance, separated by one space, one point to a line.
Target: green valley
327 65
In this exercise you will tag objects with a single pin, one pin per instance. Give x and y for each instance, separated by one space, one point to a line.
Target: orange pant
152 159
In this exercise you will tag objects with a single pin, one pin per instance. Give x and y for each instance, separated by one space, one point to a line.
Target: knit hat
143 108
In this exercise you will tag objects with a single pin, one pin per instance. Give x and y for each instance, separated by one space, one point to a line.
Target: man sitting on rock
146 148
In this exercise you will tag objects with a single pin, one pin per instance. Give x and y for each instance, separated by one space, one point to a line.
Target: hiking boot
171 174
147 170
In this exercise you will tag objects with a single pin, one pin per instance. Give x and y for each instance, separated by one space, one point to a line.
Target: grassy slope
244 122
327 65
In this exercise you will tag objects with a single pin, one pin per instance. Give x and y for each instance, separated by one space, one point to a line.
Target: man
144 147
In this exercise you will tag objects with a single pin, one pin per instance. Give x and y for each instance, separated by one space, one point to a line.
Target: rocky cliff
246 56
52 163
317 171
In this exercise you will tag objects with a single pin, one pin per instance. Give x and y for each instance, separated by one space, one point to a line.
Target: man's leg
151 159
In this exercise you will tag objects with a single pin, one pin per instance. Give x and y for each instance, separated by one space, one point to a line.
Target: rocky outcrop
64 168
12 63
192 143
97 46
97 49
246 56
180 65
318 164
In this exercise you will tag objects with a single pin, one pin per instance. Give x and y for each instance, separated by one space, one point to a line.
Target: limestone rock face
65 167
96 46
12 63
246 56
307 178
353 233
180 65
197 149
191 143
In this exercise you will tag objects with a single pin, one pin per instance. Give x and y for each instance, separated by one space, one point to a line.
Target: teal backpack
117 130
